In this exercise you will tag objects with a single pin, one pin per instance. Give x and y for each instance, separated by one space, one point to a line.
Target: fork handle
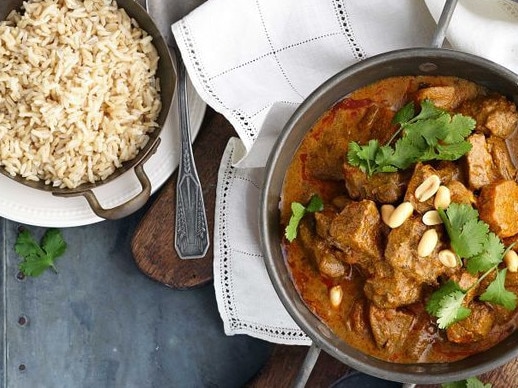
191 229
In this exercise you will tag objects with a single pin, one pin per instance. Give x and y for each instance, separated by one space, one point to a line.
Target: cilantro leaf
27 247
455 384
490 256
496 292
405 114
363 156
451 309
483 251
36 258
431 130
432 134
406 153
53 243
471 382
452 151
460 128
315 204
473 230
428 111
467 233
434 303
36 267
298 211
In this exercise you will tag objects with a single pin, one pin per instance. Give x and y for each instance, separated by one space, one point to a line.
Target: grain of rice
78 91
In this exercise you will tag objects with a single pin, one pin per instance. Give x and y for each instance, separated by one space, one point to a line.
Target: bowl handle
126 208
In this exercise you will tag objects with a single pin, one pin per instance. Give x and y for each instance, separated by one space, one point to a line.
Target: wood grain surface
281 370
154 254
153 241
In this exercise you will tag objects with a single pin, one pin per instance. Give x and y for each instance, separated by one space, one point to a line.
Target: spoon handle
191 230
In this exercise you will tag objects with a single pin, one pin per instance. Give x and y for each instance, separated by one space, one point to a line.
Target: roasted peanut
432 217
335 296
427 243
448 258
428 188
386 212
511 261
442 198
400 214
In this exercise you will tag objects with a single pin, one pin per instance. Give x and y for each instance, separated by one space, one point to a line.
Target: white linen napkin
255 61
488 28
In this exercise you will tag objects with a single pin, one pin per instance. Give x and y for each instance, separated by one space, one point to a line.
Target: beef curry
371 279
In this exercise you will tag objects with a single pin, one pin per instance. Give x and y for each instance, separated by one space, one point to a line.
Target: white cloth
255 61
488 28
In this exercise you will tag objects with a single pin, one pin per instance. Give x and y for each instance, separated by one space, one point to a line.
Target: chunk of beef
377 121
340 201
466 281
479 163
330 266
449 171
357 319
323 221
460 193
452 177
324 256
383 188
357 229
442 96
390 327
392 289
494 114
449 97
421 338
421 172
498 207
401 252
501 158
475 327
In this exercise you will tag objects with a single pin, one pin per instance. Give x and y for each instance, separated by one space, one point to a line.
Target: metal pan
167 76
417 61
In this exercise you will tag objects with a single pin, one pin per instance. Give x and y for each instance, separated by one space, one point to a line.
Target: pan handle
443 23
307 366
126 208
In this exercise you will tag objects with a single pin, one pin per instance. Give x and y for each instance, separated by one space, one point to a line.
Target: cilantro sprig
37 257
298 211
482 251
472 382
432 134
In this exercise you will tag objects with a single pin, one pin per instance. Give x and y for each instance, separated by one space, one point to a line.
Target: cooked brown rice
78 90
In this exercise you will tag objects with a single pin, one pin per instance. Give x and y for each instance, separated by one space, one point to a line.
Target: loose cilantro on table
472 382
432 134
298 211
482 251
38 257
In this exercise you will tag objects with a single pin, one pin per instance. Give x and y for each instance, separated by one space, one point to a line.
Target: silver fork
191 229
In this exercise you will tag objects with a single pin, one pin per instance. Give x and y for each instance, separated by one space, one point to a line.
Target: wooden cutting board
153 241
154 254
